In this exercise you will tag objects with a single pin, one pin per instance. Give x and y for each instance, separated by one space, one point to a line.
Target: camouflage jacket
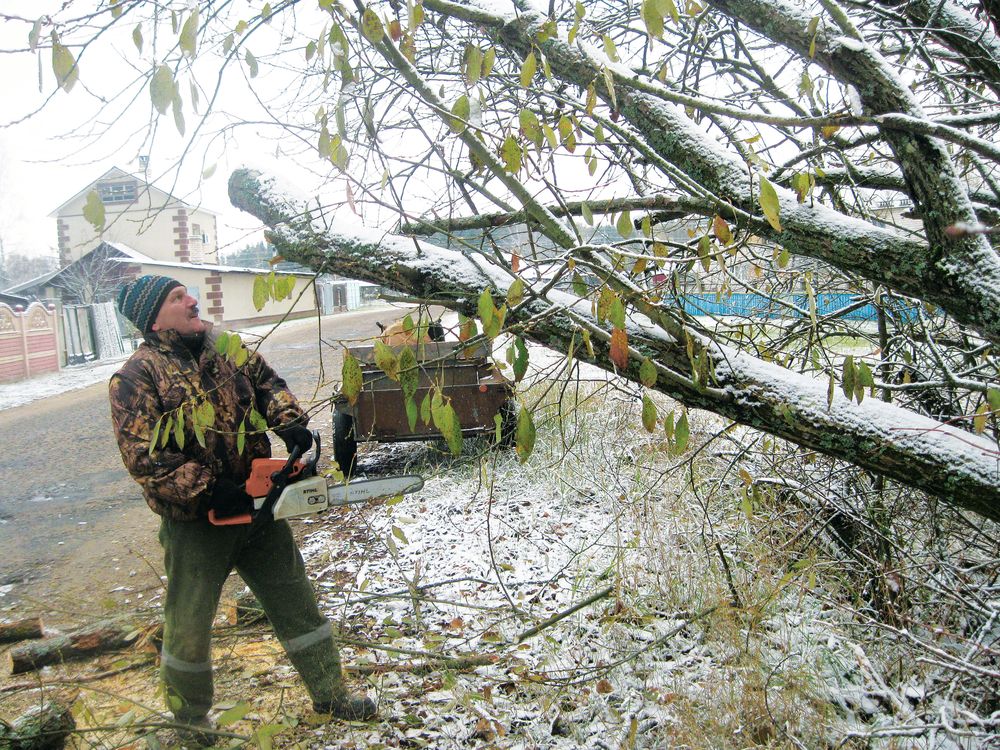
162 380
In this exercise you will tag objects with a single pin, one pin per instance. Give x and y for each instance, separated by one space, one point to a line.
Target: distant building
139 215
225 293
149 231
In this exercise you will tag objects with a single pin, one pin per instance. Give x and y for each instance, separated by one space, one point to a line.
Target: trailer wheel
508 423
345 443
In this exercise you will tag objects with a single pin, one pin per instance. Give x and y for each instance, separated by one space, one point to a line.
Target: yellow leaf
64 65
528 69
189 34
769 203
649 415
371 26
93 211
979 421
647 373
524 434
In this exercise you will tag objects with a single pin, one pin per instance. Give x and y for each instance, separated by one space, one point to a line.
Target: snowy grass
719 629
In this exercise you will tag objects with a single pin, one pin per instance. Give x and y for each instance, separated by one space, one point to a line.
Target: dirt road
75 534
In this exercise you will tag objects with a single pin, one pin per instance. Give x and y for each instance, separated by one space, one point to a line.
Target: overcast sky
72 138
53 154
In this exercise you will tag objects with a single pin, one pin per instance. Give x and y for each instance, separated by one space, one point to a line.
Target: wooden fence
29 342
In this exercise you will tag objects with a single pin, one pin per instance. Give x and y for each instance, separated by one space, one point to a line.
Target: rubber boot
196 733
349 707
343 704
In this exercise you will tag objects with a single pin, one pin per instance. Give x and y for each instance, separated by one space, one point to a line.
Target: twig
565 613
398 650
729 577
97 676
465 662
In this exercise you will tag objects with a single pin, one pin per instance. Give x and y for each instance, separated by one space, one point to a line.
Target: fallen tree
82 643
955 465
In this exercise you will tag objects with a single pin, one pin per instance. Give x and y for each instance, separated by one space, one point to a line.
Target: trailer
476 388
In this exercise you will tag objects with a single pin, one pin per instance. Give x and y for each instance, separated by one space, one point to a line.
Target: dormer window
117 192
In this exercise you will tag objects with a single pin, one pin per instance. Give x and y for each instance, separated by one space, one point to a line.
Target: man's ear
155 327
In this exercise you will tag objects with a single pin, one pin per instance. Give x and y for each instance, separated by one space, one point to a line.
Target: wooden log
244 610
44 727
20 630
109 635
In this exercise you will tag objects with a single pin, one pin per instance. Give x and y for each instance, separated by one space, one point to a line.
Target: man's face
179 313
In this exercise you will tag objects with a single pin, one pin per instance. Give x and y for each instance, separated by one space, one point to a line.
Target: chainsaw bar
285 488
363 490
315 494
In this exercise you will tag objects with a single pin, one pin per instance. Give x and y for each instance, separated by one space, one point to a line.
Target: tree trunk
102 637
21 630
956 466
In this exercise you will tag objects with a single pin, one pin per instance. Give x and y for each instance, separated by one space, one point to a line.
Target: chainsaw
285 488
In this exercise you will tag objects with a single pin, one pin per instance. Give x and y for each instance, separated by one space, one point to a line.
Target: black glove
295 436
229 499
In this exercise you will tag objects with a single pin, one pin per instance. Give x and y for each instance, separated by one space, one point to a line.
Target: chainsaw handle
290 471
229 520
283 477
285 473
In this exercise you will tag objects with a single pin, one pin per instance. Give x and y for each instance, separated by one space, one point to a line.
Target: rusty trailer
478 392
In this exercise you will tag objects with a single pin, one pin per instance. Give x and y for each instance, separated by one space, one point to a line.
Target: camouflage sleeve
168 477
274 400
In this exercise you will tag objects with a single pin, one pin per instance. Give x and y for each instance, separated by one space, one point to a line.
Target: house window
195 245
117 192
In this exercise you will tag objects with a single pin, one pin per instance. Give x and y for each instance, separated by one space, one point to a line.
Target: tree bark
21 630
44 727
956 466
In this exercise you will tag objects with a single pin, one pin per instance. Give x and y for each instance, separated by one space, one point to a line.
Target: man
176 370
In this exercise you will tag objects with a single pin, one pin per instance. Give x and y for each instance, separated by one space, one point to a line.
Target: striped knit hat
140 300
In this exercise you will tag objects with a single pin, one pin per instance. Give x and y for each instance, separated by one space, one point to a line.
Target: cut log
21 630
44 727
110 635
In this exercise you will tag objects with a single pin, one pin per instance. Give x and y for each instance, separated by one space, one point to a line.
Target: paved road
73 525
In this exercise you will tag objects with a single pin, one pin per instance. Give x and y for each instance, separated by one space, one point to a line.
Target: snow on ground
491 548
68 379
495 547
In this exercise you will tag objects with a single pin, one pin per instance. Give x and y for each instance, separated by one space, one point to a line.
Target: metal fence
828 304
92 332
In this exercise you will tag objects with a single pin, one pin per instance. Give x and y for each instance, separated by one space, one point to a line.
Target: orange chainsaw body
259 482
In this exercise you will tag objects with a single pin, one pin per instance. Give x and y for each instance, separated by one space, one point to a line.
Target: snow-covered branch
960 468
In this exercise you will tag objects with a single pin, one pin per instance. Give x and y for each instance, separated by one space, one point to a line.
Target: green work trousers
199 557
